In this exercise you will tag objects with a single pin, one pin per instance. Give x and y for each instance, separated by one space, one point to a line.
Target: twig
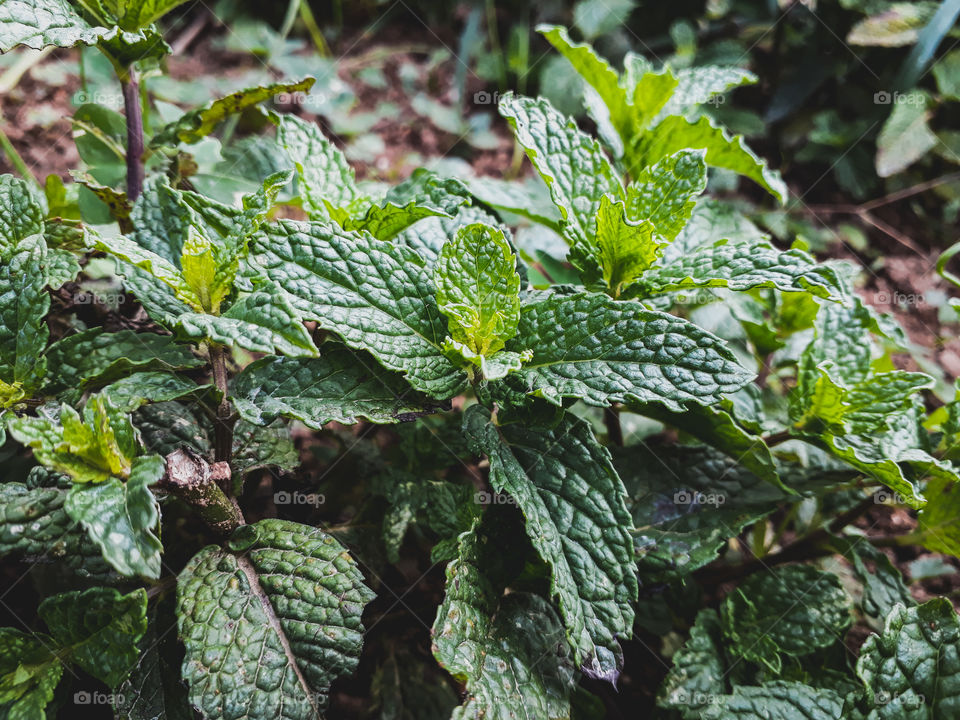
186 38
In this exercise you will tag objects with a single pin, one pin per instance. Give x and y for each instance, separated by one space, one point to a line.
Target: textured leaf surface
569 161
742 265
260 322
665 194
912 670
625 249
478 288
340 386
95 357
35 527
675 133
793 610
22 212
782 700
508 649
322 170
267 630
699 85
36 23
377 296
24 303
573 501
605 351
697 674
29 673
940 517
101 627
121 517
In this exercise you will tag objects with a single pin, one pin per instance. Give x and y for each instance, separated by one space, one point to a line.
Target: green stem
15 159
197 483
223 427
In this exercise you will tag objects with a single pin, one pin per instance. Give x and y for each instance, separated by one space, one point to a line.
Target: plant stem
223 427
811 546
611 418
15 159
192 479
134 113
777 438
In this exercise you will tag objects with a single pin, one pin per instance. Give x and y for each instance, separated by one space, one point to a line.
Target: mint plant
492 423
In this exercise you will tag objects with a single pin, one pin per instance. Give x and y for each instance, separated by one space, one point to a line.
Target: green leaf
793 610
675 133
883 585
323 174
573 502
24 303
35 528
716 426
121 518
22 213
569 161
605 351
29 673
598 73
91 448
154 691
910 669
141 388
340 386
135 14
781 699
200 122
100 628
698 674
625 249
376 296
263 321
478 288
160 219
905 137
262 641
155 265
947 72
665 194
702 84
37 23
744 265
424 194
939 519
898 25
509 649
95 357
686 502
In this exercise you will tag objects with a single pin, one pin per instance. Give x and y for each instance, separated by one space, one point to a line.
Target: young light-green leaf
478 288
